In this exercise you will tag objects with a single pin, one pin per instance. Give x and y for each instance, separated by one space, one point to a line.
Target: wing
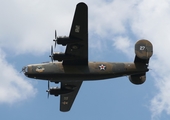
78 34
66 100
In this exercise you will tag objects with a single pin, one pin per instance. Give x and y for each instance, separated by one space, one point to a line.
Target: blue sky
26 33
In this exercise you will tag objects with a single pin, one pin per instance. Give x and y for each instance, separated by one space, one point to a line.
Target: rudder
143 51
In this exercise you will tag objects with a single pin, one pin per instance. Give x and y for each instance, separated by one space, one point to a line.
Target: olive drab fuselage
56 72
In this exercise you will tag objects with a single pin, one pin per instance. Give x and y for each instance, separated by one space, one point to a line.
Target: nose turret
26 70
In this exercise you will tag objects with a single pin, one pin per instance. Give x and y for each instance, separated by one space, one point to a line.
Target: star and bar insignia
102 67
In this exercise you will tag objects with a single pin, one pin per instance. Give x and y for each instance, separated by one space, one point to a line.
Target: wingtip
82 3
64 110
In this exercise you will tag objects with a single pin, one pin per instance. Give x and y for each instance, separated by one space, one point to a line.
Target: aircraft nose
26 70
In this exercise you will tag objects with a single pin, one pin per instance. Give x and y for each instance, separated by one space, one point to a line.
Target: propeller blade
48 85
55 44
51 54
51 50
23 69
48 89
55 39
55 35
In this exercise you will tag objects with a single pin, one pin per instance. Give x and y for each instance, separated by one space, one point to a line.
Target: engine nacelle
137 79
63 40
57 91
66 40
61 56
143 49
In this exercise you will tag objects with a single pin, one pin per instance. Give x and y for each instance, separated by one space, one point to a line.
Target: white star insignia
102 67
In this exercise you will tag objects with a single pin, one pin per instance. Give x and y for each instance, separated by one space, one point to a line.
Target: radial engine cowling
57 91
137 79
62 56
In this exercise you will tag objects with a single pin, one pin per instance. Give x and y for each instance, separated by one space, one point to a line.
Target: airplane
71 68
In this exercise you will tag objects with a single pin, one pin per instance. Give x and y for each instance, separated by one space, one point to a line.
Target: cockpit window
39 67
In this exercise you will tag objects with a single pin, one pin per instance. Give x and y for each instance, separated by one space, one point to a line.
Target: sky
26 34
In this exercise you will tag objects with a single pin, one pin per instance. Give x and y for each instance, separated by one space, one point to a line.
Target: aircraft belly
68 77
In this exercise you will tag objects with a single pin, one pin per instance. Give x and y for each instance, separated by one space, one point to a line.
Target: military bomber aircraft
72 67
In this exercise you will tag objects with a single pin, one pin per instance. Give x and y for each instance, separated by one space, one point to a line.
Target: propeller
55 39
52 59
48 89
23 69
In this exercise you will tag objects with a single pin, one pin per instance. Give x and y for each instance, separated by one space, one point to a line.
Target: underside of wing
79 37
66 100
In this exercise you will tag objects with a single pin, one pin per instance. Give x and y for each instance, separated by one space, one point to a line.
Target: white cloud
160 103
124 44
110 17
28 27
13 87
